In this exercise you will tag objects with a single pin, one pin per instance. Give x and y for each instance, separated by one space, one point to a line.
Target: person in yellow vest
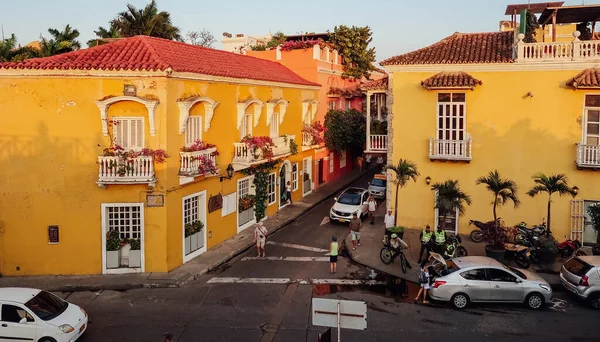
425 238
439 239
334 250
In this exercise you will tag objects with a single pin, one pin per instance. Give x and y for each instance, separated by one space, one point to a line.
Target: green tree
594 212
504 190
10 52
405 170
277 39
345 130
450 197
60 41
147 21
551 184
352 43
531 25
585 30
101 33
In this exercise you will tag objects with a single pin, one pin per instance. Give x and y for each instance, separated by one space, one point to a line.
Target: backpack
423 278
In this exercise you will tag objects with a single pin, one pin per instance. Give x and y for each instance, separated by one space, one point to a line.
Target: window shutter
120 129
137 130
193 130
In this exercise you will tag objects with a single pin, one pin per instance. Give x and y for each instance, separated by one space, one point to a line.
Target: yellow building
66 184
475 102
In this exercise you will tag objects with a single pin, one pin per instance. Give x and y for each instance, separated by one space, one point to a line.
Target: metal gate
577 220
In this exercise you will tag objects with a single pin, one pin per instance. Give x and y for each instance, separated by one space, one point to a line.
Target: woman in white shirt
288 189
372 207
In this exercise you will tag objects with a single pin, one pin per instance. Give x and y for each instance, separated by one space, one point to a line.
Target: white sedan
352 200
37 315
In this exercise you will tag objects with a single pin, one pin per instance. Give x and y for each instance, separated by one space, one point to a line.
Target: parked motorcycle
525 236
525 256
567 248
453 248
478 234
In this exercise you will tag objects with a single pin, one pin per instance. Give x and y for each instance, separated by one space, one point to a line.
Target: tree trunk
548 232
495 204
396 206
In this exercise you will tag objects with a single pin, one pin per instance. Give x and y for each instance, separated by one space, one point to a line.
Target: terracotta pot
497 254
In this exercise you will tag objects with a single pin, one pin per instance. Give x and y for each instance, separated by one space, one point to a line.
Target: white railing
307 139
588 156
557 51
245 155
450 149
378 142
192 161
116 170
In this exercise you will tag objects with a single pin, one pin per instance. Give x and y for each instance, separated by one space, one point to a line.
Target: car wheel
594 300
534 301
47 339
460 301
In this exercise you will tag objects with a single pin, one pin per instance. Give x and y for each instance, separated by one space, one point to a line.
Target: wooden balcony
577 50
588 156
193 164
456 150
243 156
112 170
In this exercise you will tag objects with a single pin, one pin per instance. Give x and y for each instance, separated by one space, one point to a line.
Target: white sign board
352 314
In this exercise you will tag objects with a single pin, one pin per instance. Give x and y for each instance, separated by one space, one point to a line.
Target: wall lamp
229 171
575 190
428 180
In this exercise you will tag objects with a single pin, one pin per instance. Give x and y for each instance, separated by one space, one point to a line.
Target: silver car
581 276
472 279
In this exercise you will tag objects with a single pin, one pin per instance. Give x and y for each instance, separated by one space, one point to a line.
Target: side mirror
518 281
335 198
23 320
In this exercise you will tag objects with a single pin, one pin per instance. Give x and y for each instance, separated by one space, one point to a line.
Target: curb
378 270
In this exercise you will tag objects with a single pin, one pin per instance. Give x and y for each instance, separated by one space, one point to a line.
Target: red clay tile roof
449 80
461 48
588 78
336 92
380 84
155 54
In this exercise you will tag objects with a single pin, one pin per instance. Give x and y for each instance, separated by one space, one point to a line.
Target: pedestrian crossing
291 258
285 281
291 245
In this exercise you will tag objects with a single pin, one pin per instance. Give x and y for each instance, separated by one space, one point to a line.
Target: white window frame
246 123
307 169
200 215
272 188
586 109
295 176
229 204
332 105
441 131
249 191
348 104
274 129
331 159
105 227
343 159
436 212
193 130
116 128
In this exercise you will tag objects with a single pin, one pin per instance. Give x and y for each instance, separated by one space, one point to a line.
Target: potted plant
547 249
135 253
398 230
192 235
113 249
245 207
594 212
551 184
504 190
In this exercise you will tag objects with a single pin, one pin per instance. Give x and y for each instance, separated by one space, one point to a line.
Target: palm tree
10 52
147 21
111 32
504 190
450 197
405 170
551 184
61 41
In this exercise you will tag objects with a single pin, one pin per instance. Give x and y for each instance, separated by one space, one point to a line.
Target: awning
587 79
451 80
570 14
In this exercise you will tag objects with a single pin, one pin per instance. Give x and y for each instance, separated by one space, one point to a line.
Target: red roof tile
380 84
588 78
461 48
348 92
451 80
156 54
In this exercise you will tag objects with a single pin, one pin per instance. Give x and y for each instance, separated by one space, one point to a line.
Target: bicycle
388 254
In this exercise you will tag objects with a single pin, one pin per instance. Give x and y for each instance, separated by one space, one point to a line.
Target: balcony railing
450 149
587 50
242 154
307 139
588 156
192 162
113 170
378 142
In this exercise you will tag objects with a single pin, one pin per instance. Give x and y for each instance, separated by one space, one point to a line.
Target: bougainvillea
316 131
125 159
304 44
261 181
261 147
246 202
199 145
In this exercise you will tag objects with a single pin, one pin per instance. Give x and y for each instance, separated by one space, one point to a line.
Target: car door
475 284
505 287
10 328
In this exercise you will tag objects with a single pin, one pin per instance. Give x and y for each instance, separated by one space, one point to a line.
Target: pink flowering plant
316 131
125 159
199 145
304 44
259 146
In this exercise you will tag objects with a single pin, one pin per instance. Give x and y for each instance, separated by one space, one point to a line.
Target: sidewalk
371 244
191 270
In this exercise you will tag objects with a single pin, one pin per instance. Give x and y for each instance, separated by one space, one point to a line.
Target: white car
40 316
352 200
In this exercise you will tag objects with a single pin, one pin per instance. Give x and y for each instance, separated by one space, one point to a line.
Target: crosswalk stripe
292 258
291 245
234 280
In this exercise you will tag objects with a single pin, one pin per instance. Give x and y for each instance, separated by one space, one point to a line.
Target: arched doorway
285 176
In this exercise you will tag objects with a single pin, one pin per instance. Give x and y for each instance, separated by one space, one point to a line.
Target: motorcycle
478 234
525 236
567 248
453 248
388 254
524 256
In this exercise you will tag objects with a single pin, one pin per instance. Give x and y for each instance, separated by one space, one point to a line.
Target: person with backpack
424 282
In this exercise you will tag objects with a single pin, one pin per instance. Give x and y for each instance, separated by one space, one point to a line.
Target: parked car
377 186
37 315
350 201
473 279
581 276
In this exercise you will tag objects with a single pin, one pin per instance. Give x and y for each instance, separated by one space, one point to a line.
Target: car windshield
350 199
46 305
515 271
378 182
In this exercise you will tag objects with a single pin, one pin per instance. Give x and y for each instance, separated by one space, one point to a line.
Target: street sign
334 313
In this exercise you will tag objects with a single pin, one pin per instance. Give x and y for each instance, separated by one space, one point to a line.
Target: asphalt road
249 300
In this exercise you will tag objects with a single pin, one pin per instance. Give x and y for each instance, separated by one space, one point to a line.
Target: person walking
333 254
355 228
388 221
359 161
372 207
440 239
380 162
425 238
424 282
260 237
368 161
288 190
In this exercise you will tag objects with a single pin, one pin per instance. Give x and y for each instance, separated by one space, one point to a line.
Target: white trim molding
328 71
242 106
271 105
493 67
306 106
103 105
186 105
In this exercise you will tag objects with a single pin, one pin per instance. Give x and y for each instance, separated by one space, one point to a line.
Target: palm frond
450 196
405 170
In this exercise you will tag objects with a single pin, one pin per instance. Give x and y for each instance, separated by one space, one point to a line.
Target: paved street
250 300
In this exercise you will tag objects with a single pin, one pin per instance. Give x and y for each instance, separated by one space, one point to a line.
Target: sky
398 26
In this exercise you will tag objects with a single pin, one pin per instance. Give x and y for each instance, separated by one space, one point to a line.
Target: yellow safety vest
440 237
426 236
